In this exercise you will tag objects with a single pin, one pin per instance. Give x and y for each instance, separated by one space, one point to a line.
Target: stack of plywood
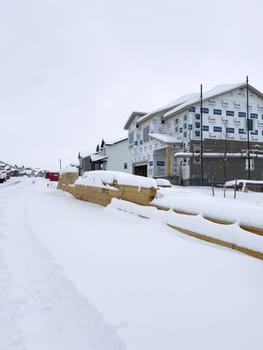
104 195
66 179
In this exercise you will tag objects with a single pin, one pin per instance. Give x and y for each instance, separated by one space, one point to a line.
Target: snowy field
74 275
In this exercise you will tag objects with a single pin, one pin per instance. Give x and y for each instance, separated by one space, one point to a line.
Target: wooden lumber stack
104 195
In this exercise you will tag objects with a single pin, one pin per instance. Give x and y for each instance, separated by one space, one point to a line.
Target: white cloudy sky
71 71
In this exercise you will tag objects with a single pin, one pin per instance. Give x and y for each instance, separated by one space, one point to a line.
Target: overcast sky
72 71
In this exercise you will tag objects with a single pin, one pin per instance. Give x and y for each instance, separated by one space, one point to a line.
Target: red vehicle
52 176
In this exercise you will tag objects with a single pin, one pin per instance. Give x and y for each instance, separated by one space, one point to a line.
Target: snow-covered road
39 307
65 263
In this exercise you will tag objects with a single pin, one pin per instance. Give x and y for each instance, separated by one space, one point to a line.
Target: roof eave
132 117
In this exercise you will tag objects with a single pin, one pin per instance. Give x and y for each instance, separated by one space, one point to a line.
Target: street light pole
59 164
201 135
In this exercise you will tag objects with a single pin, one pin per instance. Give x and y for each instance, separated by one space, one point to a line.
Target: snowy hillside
75 275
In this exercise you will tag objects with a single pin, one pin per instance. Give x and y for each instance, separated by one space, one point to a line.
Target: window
185 117
205 110
176 129
197 125
192 109
185 134
146 134
176 121
217 129
197 133
255 132
242 114
135 143
253 115
230 130
241 131
185 125
150 163
181 129
249 124
160 163
230 113
205 128
197 116
125 166
218 111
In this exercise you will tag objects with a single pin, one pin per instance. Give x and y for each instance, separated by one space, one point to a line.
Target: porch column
168 161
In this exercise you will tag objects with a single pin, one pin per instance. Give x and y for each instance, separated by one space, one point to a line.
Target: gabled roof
216 91
132 117
168 107
187 101
111 143
165 138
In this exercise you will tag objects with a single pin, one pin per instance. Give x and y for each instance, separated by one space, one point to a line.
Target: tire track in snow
43 310
10 335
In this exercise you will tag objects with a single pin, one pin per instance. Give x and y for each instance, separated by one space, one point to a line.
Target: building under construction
201 138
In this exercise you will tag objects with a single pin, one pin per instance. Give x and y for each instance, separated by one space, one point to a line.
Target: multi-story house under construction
201 138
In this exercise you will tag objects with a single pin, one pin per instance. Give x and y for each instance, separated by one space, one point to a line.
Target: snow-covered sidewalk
39 307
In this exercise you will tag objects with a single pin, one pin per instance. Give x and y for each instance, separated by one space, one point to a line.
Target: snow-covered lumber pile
67 177
101 186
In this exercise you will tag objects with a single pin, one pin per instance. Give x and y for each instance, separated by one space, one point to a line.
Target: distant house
197 140
118 157
94 161
111 155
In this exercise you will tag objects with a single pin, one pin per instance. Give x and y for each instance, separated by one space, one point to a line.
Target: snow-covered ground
74 275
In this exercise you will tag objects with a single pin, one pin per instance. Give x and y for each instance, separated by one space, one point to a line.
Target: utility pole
59 164
225 154
248 129
201 135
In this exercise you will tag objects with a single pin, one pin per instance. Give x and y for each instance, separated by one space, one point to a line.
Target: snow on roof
188 100
244 181
113 142
164 138
170 106
85 154
69 169
195 98
131 118
109 177
96 157
93 156
216 155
